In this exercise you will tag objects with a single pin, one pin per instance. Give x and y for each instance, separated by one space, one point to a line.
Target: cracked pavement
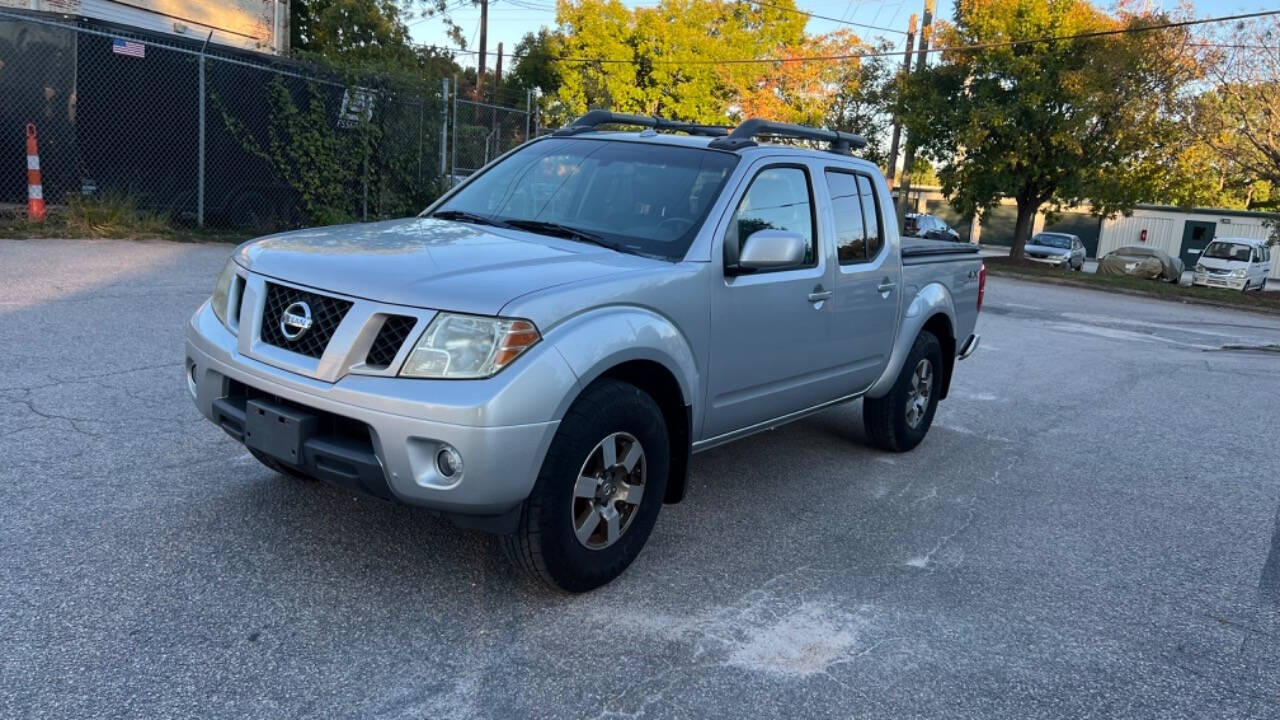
1092 528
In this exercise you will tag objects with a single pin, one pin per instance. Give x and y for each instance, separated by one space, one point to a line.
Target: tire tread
524 546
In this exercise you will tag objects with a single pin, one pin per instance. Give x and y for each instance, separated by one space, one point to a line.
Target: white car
1234 263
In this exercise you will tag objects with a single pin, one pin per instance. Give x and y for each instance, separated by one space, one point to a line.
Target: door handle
818 294
885 285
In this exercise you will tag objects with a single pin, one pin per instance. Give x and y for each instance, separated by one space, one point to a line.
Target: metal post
444 127
453 153
200 141
528 110
536 121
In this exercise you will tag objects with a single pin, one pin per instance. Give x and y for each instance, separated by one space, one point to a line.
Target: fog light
448 462
191 378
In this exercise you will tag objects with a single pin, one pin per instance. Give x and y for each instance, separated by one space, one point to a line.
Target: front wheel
598 494
898 421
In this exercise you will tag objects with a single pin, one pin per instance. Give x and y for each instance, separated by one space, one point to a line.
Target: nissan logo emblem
295 321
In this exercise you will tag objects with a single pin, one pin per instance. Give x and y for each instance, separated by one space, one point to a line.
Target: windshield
1053 241
1227 251
643 198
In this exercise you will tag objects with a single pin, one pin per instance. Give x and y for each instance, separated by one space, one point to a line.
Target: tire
887 419
280 467
546 543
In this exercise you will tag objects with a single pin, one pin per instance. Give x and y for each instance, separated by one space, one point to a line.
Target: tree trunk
1022 229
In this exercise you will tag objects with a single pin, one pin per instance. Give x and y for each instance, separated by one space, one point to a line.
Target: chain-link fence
483 131
209 136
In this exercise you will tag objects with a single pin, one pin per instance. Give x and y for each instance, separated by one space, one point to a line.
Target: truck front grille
326 313
392 335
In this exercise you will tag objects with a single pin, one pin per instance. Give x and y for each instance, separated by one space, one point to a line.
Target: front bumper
1054 261
405 431
1218 281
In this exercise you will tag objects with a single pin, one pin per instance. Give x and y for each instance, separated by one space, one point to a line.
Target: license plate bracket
277 430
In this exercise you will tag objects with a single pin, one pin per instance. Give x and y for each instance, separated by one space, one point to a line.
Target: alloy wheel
918 395
607 493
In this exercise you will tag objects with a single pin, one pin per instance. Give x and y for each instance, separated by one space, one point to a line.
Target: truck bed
916 251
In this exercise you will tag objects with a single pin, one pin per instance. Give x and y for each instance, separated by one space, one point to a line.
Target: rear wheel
899 421
598 494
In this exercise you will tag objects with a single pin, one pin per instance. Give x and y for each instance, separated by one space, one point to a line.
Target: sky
509 20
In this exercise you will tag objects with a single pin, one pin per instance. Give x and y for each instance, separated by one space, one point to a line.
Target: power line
828 18
898 52
937 49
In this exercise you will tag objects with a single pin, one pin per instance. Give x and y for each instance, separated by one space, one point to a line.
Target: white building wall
1164 231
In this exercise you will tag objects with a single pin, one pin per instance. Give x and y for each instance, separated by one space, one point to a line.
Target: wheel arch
931 309
940 325
644 349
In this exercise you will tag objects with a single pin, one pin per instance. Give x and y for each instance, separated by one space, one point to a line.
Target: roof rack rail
744 136
594 118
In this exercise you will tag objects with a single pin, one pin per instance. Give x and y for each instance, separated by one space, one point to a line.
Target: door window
857 215
778 199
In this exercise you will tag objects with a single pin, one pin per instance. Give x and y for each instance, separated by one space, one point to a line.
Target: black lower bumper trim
313 446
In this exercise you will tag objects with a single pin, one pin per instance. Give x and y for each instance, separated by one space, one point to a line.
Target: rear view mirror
771 250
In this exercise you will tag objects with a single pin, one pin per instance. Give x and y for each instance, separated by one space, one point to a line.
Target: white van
1234 263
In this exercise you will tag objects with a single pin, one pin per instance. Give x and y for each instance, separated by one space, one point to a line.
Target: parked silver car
540 352
1057 249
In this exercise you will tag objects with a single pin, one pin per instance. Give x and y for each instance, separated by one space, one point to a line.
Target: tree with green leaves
535 64
1047 122
1237 119
341 27
652 40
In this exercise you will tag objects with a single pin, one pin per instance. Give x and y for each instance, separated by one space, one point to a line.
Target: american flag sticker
132 48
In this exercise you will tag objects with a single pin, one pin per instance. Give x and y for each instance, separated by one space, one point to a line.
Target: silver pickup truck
540 353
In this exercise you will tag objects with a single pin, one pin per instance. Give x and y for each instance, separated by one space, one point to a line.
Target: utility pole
484 37
497 71
909 155
897 122
497 85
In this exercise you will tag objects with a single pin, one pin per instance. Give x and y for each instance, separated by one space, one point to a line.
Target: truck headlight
1239 273
222 291
1200 268
468 346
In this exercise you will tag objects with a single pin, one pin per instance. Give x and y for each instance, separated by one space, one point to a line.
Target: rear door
770 351
868 277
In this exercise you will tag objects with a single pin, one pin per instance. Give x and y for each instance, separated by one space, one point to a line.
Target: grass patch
108 216
1027 270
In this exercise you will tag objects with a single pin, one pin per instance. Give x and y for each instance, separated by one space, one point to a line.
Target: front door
1196 236
769 352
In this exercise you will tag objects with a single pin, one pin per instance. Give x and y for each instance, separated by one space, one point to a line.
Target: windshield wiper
470 217
565 231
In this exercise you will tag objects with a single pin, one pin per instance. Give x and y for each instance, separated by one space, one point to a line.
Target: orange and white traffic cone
35 188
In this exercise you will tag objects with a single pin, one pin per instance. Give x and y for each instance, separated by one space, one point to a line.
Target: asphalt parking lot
1092 529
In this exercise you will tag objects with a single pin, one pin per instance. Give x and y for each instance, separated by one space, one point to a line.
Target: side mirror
771 250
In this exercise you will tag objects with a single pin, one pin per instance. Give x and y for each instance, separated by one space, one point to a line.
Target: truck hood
429 263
